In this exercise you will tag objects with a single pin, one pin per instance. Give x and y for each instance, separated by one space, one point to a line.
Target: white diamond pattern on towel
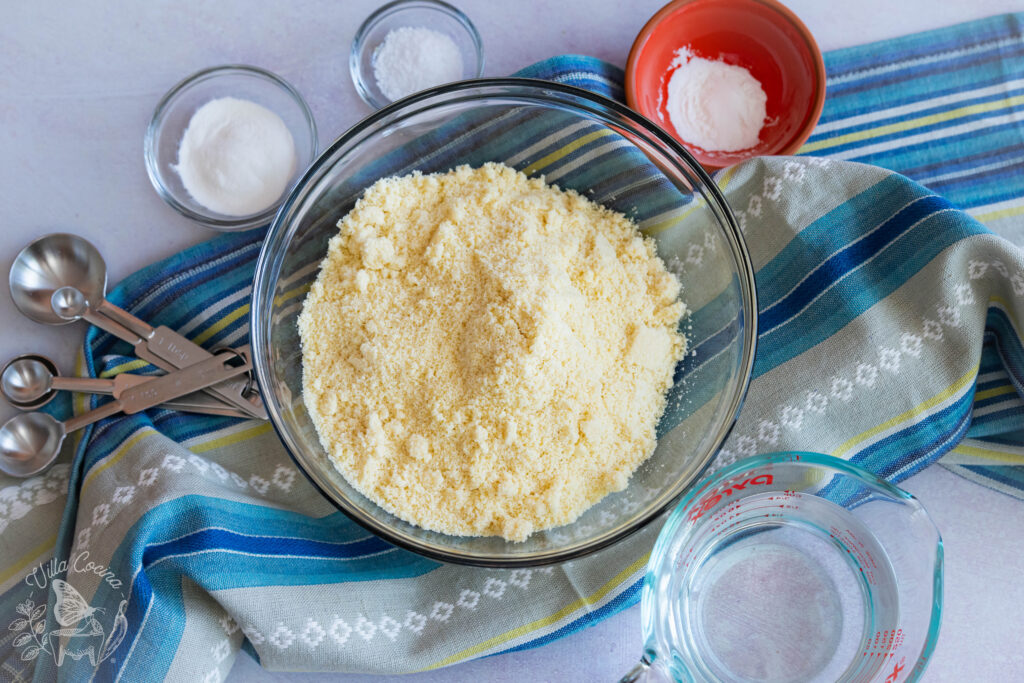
254 636
389 627
441 611
889 359
340 630
768 432
229 625
494 588
746 446
221 650
311 634
468 599
932 330
865 374
100 514
259 484
282 637
123 494
173 463
414 621
283 478
18 500
365 628
816 402
792 417
842 388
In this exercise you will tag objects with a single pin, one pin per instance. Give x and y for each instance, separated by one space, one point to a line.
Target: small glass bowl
432 14
172 116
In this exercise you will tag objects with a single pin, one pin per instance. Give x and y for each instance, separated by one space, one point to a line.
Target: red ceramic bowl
763 37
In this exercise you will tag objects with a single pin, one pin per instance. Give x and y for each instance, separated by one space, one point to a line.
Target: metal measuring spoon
60 260
30 442
52 262
69 304
27 381
31 381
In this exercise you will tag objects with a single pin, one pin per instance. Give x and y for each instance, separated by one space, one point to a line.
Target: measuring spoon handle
184 381
190 403
95 415
183 352
165 347
160 389
108 325
139 345
204 408
125 319
86 385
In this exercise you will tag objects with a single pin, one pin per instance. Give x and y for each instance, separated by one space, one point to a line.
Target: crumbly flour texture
484 354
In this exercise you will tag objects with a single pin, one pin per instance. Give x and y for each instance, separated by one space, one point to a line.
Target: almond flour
484 354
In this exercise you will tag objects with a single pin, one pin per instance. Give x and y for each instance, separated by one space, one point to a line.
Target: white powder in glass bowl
411 59
236 157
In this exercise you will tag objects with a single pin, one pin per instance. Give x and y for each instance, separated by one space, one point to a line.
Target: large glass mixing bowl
578 140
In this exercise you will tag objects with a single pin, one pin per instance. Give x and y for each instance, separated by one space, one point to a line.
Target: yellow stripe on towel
910 124
566 150
956 387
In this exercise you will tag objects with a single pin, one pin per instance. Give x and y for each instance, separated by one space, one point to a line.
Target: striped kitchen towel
890 334
943 107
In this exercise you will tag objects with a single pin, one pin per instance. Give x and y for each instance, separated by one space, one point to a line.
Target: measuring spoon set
61 278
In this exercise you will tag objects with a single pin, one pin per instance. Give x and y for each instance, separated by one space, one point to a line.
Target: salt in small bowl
432 14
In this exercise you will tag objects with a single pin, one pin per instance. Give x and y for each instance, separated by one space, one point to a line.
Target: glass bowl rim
156 122
271 251
391 8
798 457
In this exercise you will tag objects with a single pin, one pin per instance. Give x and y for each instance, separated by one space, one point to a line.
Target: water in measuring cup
798 589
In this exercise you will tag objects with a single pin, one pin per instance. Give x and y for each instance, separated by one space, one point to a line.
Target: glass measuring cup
792 567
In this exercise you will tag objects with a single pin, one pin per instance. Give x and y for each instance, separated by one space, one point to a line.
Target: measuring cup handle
645 672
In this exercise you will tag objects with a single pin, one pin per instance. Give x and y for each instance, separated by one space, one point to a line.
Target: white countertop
78 83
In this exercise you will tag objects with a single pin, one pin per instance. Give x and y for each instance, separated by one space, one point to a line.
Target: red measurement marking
891 678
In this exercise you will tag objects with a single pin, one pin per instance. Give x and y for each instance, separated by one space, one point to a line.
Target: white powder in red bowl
716 106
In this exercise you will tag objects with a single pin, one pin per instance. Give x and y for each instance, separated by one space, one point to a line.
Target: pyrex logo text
712 499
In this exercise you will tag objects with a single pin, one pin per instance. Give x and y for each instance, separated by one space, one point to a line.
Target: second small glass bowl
175 110
433 14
